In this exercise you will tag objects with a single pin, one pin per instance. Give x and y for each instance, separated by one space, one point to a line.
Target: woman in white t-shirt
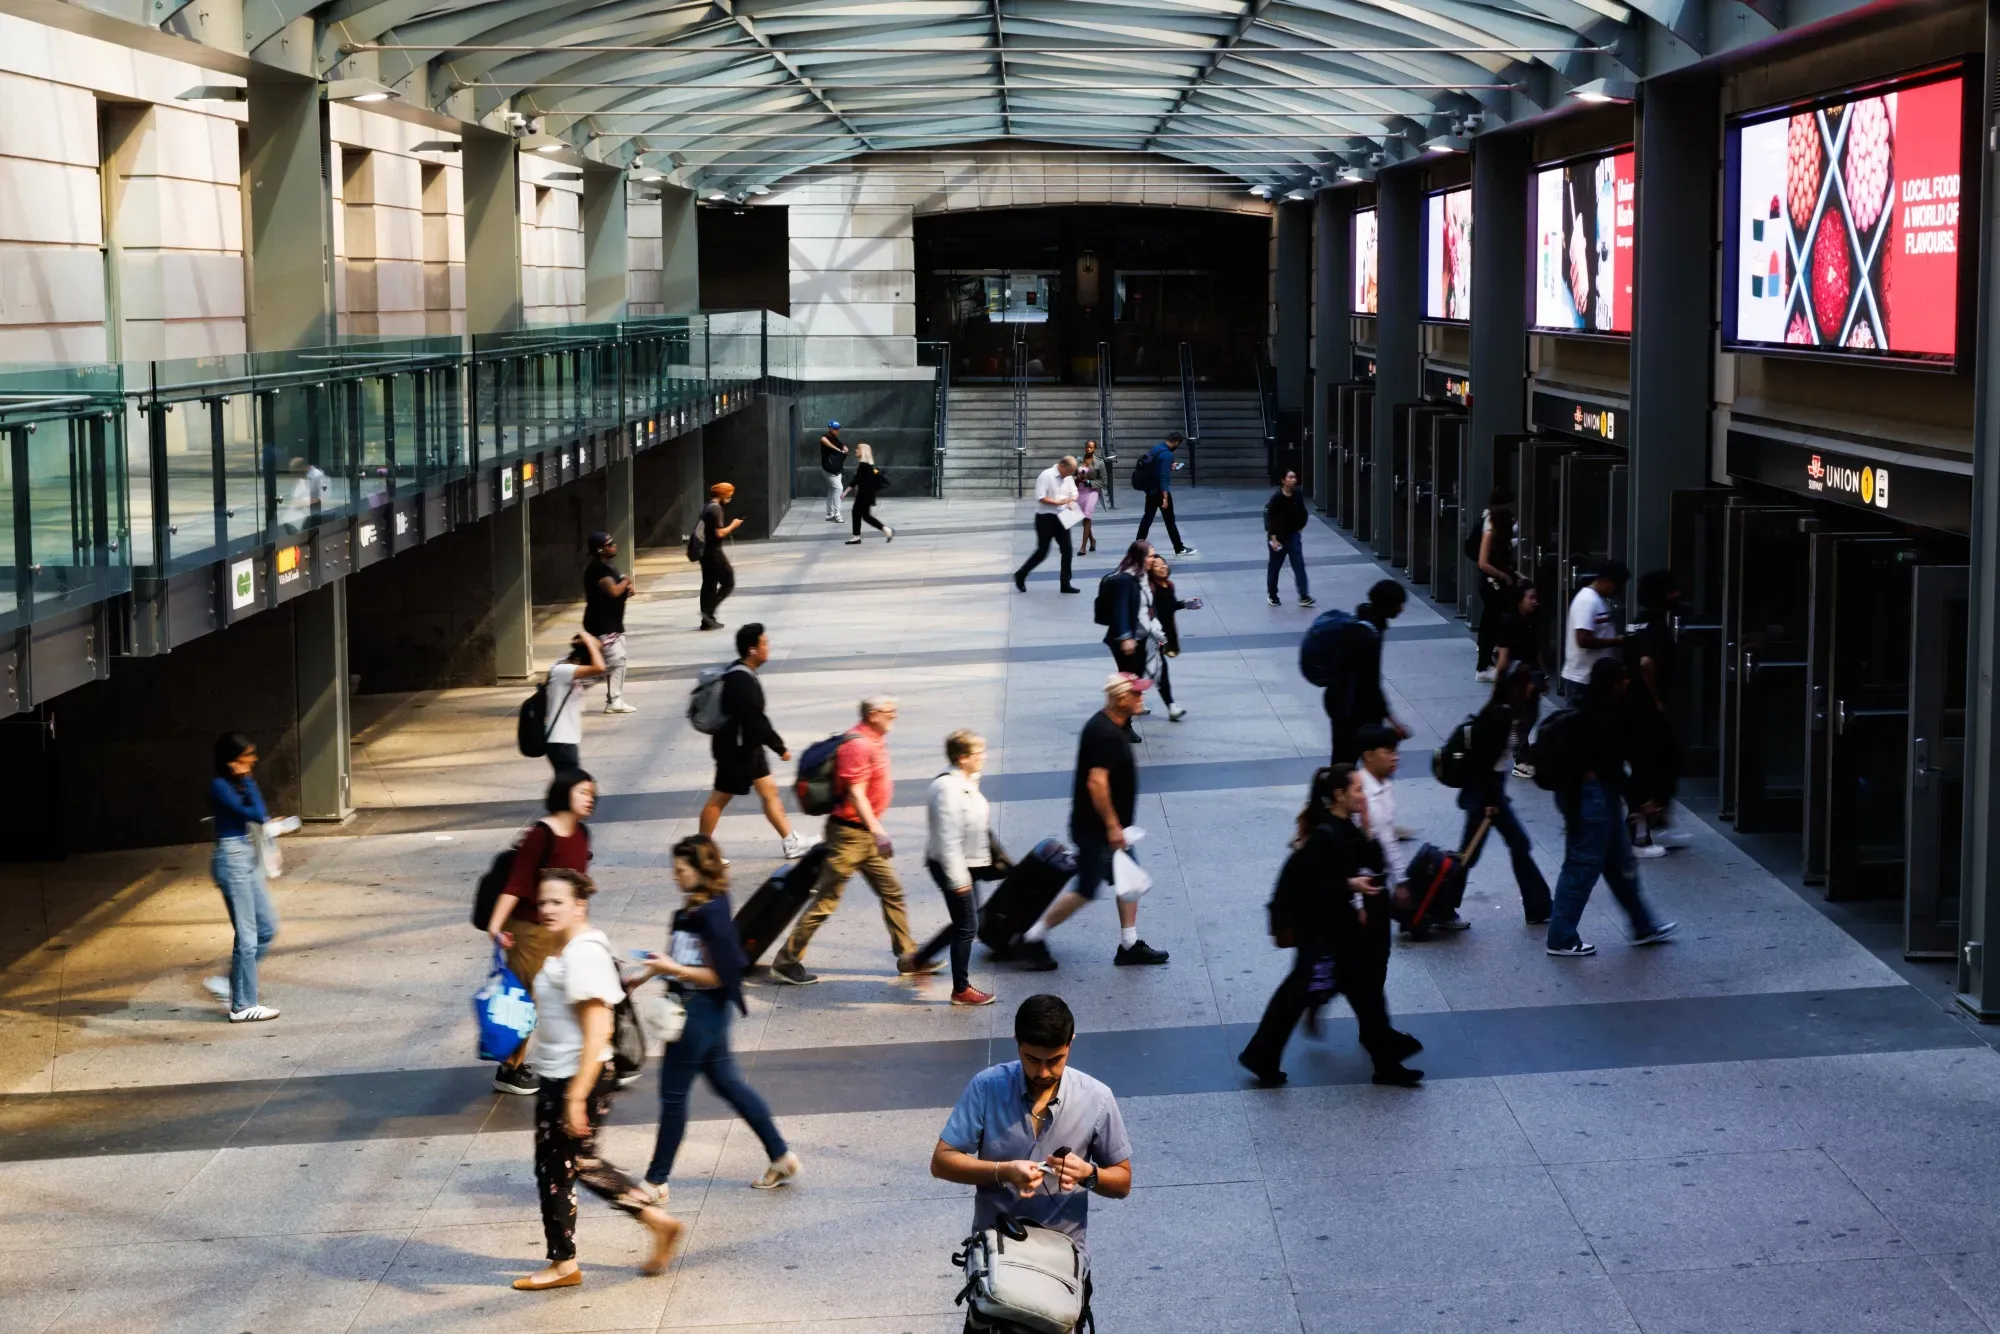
574 996
567 681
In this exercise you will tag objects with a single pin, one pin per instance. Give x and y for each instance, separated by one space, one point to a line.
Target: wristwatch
1090 1182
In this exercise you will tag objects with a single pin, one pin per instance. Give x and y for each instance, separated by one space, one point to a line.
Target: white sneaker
1649 851
621 707
795 846
1486 677
217 987
254 1014
1176 712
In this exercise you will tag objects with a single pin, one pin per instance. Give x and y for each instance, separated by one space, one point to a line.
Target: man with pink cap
1107 786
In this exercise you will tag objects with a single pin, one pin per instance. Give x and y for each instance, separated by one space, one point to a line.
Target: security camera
1472 122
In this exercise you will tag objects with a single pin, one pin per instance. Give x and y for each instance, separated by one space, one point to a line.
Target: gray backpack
705 703
1020 1276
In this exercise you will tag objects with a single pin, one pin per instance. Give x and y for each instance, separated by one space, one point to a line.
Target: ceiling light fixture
358 90
1605 90
214 92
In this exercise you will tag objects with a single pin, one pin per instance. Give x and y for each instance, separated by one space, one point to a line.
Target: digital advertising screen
1585 224
1448 255
1366 261
1842 234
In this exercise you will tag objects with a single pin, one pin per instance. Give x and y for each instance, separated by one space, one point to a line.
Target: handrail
1020 415
1106 449
941 412
1267 408
1190 415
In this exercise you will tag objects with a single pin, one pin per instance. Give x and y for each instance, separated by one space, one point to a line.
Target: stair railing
1020 415
1105 449
1267 408
1190 415
941 410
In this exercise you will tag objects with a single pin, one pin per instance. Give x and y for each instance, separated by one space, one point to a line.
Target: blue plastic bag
505 1011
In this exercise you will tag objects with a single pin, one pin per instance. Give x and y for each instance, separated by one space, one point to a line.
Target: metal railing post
1020 416
1190 415
1105 449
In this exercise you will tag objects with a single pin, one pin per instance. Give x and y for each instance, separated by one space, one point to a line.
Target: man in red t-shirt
856 840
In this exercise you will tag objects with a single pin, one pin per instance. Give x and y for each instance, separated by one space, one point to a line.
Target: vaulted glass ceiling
735 95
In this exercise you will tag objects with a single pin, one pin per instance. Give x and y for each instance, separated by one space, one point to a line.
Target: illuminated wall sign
402 523
1364 367
1451 386
1932 492
1365 260
1448 256
1841 228
506 484
242 584
370 535
527 474
1609 422
286 564
1585 228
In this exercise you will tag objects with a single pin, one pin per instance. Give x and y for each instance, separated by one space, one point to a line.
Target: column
319 629
605 264
1499 338
1673 352
492 234
1978 985
1333 327
620 510
513 596
680 252
291 222
1398 353
1288 355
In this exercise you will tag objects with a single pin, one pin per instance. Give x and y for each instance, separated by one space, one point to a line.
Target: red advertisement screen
1844 229
1585 225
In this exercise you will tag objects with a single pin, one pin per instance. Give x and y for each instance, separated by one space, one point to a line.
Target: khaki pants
849 850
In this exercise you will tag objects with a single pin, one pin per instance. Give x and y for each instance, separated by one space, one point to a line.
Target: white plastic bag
1128 879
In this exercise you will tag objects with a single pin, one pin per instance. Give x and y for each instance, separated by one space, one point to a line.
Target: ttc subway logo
1869 485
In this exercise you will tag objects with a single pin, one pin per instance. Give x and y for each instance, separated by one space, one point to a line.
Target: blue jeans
1596 844
240 872
703 1048
1293 549
1473 799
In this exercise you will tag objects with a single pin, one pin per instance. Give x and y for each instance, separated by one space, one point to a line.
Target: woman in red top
558 839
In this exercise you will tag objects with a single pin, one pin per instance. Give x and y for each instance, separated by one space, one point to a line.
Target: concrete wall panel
49 202
51 285
47 122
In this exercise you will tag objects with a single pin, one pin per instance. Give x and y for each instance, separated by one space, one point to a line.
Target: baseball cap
833 426
598 541
1119 682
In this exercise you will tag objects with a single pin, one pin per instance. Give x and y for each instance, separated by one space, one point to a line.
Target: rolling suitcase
1437 884
777 901
1025 894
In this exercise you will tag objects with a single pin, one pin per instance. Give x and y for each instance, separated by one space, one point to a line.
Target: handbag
661 1014
505 1011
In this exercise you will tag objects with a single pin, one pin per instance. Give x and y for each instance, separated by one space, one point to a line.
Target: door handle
1920 765
1841 715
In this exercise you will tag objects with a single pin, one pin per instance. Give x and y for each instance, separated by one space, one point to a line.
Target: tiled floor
1761 1126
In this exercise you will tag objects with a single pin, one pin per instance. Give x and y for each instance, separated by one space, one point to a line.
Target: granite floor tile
1897 1296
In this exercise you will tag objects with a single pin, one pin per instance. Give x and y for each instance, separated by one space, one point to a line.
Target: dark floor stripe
1102 562
1102 520
409 1104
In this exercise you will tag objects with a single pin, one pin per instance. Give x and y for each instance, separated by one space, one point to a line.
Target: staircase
979 444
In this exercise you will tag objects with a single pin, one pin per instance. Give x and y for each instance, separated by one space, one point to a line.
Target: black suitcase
769 912
1025 894
1437 884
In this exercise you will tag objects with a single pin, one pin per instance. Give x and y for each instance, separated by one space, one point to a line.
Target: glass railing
153 468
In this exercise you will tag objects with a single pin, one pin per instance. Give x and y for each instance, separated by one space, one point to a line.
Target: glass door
1770 596
1857 721
1447 455
1420 496
1538 503
1935 786
1360 516
1696 528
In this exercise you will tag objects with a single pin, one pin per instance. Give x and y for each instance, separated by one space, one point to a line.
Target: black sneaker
1399 1076
1274 599
793 974
1405 1045
1138 952
1067 588
1021 582
1033 956
516 1079
1307 601
1270 1079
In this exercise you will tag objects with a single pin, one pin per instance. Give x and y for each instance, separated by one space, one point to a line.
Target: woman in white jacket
958 851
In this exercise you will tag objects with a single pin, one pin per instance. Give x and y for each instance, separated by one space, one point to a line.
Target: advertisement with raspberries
1845 235
1448 255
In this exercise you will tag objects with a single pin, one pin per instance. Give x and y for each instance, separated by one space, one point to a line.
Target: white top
958 827
565 706
1052 485
1381 795
689 951
585 970
1589 612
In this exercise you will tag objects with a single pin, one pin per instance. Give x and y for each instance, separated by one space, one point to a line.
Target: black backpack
532 727
1451 762
1145 477
1558 751
1106 599
1281 913
494 883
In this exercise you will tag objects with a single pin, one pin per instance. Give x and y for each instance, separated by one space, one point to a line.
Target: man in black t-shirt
605 592
1519 635
832 458
1101 803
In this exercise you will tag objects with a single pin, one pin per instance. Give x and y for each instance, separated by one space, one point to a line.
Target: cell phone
642 955
1063 1152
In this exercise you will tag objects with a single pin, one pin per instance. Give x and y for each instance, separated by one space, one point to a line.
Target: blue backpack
1324 650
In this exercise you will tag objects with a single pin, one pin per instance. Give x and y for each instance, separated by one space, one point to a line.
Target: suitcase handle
1465 855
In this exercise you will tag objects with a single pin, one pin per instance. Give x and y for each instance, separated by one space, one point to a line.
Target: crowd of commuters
1035 1137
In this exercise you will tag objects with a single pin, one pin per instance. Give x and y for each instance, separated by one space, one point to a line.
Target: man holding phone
1036 1137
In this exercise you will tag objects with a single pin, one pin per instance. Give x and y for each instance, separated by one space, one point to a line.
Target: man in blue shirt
1160 495
1036 1137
